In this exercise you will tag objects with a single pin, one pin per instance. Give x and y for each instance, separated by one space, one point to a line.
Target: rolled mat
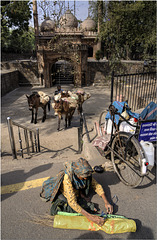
113 224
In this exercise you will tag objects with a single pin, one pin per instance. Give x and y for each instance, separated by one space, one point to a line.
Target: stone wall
28 71
15 56
18 73
99 72
25 72
9 81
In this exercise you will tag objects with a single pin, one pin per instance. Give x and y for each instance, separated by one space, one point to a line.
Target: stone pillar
40 60
100 14
78 75
46 74
36 27
84 58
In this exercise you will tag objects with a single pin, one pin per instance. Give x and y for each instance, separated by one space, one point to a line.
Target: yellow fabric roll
111 225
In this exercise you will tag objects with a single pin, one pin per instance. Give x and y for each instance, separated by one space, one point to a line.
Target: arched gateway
68 45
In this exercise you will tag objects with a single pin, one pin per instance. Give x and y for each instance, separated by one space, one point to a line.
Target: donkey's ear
27 96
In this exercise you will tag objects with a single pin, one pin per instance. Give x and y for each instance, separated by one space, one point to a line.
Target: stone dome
68 20
47 25
88 24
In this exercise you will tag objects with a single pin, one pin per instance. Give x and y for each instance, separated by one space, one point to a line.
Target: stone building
63 51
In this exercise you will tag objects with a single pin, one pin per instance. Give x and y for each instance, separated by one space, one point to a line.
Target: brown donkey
36 100
63 108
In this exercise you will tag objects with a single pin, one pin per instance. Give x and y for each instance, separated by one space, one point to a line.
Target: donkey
82 97
36 100
63 108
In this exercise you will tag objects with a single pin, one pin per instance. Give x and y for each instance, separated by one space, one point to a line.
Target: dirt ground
64 142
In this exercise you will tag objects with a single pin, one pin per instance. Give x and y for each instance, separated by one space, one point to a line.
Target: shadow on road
56 153
149 179
141 232
106 179
19 176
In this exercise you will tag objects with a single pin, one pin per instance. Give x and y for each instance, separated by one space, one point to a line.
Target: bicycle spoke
126 162
126 159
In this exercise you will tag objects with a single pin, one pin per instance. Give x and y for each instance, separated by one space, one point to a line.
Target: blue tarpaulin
150 112
120 107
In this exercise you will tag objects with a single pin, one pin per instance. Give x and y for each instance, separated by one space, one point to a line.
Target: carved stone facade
66 42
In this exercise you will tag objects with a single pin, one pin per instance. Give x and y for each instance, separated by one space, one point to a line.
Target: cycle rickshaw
127 154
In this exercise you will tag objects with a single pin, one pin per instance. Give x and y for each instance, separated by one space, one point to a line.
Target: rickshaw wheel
126 158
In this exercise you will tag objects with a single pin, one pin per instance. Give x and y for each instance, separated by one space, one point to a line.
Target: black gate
138 89
62 73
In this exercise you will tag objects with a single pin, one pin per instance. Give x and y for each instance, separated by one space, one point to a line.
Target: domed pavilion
63 50
47 25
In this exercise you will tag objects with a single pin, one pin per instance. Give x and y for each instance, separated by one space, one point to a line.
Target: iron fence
138 89
31 138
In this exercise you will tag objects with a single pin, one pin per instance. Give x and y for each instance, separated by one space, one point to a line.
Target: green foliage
98 55
94 7
17 14
15 33
128 30
22 42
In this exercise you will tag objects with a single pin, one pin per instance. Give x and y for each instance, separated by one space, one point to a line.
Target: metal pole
80 130
11 136
79 140
74 9
26 141
31 138
35 140
20 141
85 125
38 141
112 83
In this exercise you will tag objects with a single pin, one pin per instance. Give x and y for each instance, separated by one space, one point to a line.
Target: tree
97 8
128 28
53 9
16 14
128 31
15 17
22 42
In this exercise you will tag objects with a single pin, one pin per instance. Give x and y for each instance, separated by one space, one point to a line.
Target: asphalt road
16 207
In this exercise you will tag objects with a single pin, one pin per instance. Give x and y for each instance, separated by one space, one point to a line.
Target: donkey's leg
36 113
69 120
66 119
32 120
59 121
70 116
79 108
44 114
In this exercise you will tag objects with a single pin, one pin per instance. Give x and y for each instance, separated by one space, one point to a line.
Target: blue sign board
148 132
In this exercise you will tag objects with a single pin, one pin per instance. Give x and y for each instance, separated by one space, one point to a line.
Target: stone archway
49 59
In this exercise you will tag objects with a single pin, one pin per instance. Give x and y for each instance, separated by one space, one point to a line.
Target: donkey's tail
48 104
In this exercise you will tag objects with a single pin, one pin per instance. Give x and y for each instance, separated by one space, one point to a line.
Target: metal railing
30 136
80 132
139 89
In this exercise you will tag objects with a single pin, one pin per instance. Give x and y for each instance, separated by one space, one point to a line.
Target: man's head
59 87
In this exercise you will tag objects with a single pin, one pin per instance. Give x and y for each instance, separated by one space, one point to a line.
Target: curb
92 155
